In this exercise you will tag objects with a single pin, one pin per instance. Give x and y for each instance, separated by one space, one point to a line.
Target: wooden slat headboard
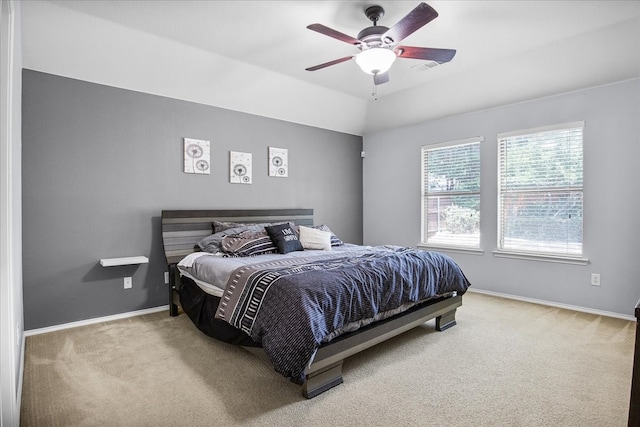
183 229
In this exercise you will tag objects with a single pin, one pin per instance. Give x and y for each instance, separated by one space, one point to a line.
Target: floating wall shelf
112 262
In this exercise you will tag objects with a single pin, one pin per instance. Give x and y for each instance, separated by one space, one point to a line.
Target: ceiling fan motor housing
372 36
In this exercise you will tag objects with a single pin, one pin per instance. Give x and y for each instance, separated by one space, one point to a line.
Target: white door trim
10 327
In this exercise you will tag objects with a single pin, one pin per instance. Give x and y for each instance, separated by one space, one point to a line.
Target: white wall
391 198
139 61
11 318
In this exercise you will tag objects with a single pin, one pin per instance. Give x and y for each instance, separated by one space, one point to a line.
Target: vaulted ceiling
251 56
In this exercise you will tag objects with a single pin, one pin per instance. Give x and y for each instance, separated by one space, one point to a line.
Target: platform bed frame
182 229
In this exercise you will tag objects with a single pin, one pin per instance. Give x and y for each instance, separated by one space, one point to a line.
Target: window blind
451 194
540 190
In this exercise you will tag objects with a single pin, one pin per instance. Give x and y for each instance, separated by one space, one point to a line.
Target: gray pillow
219 226
212 242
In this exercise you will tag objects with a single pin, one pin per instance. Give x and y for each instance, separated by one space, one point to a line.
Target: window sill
541 257
456 249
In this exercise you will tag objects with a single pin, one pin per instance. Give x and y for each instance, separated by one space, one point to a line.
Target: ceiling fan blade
426 53
327 64
380 78
418 17
333 33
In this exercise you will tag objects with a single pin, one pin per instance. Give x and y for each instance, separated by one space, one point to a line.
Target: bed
207 288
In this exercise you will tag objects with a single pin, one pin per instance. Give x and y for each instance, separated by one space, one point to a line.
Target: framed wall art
197 156
239 167
278 162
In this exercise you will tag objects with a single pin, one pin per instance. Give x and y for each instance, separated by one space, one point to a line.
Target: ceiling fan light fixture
379 45
376 60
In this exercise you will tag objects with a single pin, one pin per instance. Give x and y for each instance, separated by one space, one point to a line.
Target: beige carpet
506 363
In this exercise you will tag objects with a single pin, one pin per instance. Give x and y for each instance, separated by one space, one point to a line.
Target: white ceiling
251 55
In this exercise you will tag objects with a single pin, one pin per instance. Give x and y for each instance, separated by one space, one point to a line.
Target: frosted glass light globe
376 60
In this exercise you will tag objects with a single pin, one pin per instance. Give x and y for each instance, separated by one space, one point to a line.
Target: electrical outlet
127 283
595 279
166 277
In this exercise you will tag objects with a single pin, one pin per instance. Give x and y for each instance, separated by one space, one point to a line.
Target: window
540 190
451 194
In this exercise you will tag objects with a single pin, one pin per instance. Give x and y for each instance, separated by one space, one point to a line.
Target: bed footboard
325 371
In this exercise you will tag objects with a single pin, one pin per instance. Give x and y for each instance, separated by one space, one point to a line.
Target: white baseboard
556 304
95 320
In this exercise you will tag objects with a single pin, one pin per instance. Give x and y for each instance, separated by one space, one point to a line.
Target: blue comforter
292 306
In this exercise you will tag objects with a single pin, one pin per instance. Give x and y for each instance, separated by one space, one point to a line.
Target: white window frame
476 249
532 254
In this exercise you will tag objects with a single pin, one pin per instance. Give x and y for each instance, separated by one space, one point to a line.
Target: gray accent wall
101 163
391 176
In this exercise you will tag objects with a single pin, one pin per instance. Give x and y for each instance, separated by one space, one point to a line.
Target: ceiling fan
379 45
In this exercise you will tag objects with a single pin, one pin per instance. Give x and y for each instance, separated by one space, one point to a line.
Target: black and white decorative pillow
248 243
285 238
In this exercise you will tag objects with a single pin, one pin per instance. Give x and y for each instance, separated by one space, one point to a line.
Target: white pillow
312 238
